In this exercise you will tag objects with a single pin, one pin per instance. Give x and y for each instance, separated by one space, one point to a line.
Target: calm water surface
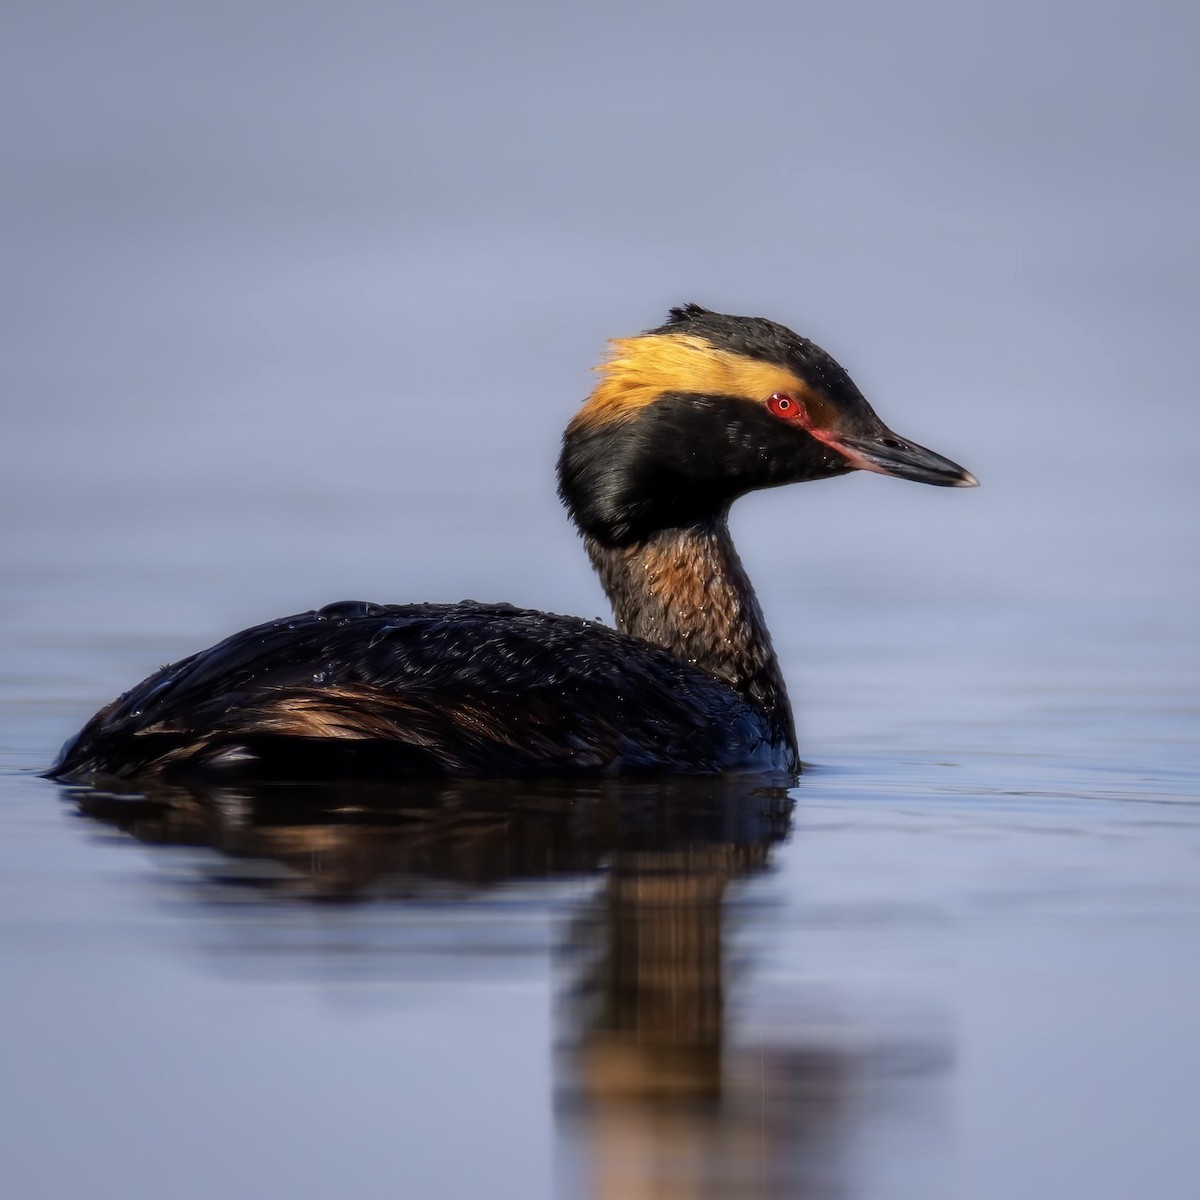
961 958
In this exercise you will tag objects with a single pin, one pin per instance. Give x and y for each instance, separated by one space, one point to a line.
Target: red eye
784 406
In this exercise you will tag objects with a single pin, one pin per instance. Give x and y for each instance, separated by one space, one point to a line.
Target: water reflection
661 1090
359 841
660 1102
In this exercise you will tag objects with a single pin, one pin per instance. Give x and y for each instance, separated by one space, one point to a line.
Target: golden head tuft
640 369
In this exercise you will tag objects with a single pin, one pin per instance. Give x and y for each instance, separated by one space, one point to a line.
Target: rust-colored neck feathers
686 590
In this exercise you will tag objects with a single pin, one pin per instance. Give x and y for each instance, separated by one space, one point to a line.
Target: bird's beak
888 454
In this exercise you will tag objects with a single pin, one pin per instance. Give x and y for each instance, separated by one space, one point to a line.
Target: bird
686 417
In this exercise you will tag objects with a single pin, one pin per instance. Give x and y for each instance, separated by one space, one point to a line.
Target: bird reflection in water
655 1094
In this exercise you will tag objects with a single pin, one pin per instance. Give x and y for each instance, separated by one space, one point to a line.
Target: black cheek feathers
680 460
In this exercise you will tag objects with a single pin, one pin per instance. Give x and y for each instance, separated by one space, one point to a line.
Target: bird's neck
686 590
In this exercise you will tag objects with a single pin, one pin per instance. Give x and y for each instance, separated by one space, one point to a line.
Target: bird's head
693 414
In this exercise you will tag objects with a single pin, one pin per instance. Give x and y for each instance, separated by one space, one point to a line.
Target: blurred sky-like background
341 269
296 299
